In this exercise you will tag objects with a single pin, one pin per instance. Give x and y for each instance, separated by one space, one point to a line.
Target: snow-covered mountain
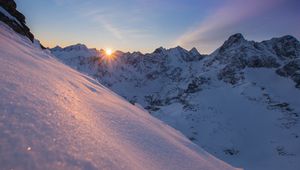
75 50
53 117
241 103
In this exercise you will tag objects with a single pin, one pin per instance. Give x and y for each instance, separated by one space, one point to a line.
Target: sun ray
108 51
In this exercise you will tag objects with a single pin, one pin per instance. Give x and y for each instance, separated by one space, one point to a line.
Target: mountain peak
233 40
194 51
287 38
287 47
237 36
76 47
159 50
179 48
77 50
57 48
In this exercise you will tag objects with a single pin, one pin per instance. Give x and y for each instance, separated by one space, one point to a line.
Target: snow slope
52 117
241 103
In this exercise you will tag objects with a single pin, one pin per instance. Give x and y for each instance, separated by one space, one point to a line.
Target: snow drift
53 117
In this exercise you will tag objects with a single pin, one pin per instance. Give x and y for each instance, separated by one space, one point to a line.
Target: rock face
237 53
240 102
12 17
286 47
292 70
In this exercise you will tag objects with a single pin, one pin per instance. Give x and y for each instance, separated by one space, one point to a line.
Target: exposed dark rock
194 55
159 50
20 26
237 53
287 47
175 74
231 74
292 70
196 84
192 138
154 102
232 40
282 151
231 151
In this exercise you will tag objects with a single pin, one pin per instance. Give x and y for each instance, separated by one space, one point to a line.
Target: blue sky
143 25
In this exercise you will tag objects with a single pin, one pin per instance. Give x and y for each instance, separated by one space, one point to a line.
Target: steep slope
241 103
52 117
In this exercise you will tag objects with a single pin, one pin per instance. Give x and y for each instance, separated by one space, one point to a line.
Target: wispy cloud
64 2
209 30
112 29
99 17
120 25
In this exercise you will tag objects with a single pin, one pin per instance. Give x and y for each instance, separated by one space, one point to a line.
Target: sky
144 25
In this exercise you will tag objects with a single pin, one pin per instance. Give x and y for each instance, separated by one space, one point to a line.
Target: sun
108 51
108 55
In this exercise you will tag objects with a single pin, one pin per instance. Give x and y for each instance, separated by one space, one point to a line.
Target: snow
53 117
252 124
242 119
75 50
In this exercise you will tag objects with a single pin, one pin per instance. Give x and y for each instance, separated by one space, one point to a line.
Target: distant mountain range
241 103
54 117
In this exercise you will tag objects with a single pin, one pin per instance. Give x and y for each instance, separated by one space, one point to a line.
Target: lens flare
108 51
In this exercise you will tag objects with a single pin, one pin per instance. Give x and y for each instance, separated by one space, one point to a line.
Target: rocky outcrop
233 40
237 53
17 20
292 70
286 47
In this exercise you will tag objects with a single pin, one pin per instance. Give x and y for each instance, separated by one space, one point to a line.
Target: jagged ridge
215 99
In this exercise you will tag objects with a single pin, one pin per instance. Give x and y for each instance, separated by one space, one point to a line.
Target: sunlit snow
52 117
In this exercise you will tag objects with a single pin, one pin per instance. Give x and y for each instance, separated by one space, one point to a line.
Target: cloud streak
118 24
117 33
214 26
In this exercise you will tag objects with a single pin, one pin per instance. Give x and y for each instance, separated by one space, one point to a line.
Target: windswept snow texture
52 117
241 103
